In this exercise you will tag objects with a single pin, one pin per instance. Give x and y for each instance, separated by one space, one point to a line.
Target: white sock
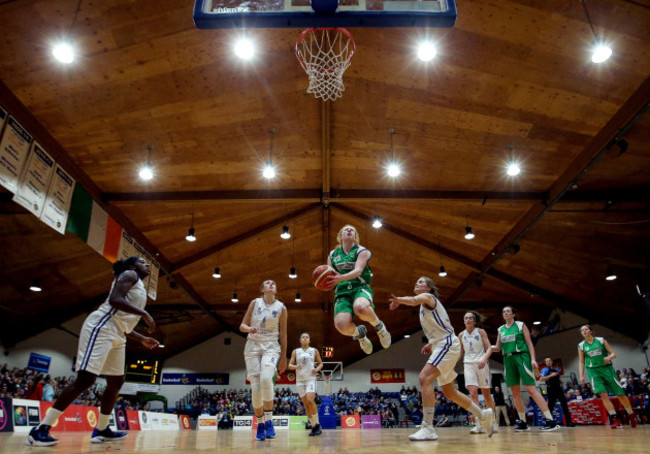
548 416
268 416
475 409
610 412
51 417
103 421
314 420
427 415
522 416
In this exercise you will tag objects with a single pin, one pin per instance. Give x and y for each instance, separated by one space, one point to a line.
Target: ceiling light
468 233
426 51
36 286
190 233
63 52
406 336
376 222
600 50
217 273
269 171
292 273
234 298
146 172
513 169
244 48
442 272
537 323
609 273
285 235
298 300
392 169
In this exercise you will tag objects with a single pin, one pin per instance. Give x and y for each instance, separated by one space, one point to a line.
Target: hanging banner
14 147
57 202
152 285
34 181
3 119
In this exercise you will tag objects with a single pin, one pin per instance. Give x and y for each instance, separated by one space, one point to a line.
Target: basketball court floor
592 439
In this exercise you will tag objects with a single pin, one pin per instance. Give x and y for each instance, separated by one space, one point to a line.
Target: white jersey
435 323
306 359
266 318
136 296
472 346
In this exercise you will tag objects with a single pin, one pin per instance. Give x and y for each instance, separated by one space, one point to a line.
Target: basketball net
325 54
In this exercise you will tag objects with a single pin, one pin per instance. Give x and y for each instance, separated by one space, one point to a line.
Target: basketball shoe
477 429
549 426
521 426
615 423
40 436
384 336
633 420
364 342
261 431
487 421
270 430
425 433
315 431
107 435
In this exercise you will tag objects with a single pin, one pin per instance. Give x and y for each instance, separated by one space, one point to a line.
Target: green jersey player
353 295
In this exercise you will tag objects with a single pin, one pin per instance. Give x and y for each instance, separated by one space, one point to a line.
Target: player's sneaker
315 431
550 426
495 427
487 421
384 336
261 431
364 342
615 423
270 430
40 436
308 426
107 435
521 426
425 433
633 420
477 429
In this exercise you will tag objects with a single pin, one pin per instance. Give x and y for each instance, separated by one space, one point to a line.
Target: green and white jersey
595 352
512 338
344 263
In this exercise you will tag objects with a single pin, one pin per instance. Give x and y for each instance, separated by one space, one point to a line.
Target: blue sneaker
270 430
107 435
40 436
261 431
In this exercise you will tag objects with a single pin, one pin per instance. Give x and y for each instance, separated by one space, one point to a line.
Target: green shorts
344 299
604 380
518 369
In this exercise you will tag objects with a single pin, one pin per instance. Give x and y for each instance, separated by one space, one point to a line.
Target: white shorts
102 346
261 354
474 376
306 386
444 356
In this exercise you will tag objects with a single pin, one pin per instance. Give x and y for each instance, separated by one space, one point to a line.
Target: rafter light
190 233
600 50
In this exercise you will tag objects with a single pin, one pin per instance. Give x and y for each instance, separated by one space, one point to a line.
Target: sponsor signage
206 422
6 418
244 423
297 422
350 422
121 420
370 422
134 419
387 376
39 363
75 418
145 421
196 379
26 414
184 420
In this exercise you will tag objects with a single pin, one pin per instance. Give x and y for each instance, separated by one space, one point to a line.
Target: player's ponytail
432 285
123 265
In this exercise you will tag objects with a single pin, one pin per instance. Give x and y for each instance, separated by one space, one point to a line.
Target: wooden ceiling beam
239 238
198 299
306 195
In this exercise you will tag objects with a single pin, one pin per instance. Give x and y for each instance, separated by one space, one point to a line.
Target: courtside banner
243 423
26 414
184 422
297 422
6 418
350 422
387 376
121 419
75 418
205 422
145 421
134 419
281 422
195 379
370 422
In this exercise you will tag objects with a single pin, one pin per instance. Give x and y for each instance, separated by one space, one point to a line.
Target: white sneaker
425 433
384 336
495 427
365 344
477 429
487 420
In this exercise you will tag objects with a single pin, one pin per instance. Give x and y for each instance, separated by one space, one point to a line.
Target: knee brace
256 395
267 383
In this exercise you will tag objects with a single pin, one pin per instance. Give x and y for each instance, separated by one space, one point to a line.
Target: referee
551 376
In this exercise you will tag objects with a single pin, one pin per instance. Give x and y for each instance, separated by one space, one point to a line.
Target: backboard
209 14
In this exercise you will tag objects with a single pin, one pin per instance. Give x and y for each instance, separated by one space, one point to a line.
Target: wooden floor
591 439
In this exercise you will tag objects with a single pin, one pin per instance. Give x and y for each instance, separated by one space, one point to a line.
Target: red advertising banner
350 422
75 418
288 377
134 419
387 376
185 422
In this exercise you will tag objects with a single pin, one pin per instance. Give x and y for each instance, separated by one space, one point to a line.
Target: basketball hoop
327 378
325 54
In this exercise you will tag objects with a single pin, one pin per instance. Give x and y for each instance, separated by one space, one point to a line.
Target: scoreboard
143 370
328 352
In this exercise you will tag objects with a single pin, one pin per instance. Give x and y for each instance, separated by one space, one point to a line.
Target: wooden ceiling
513 79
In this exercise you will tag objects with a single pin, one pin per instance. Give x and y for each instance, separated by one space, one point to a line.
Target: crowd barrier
588 411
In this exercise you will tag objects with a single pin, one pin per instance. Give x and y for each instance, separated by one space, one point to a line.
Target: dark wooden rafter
187 288
239 238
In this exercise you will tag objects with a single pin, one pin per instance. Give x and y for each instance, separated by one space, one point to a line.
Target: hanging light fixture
298 300
285 235
468 233
190 233
442 272
36 286
393 169
609 273
376 222
292 272
234 298
146 172
64 50
600 50
269 170
217 273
